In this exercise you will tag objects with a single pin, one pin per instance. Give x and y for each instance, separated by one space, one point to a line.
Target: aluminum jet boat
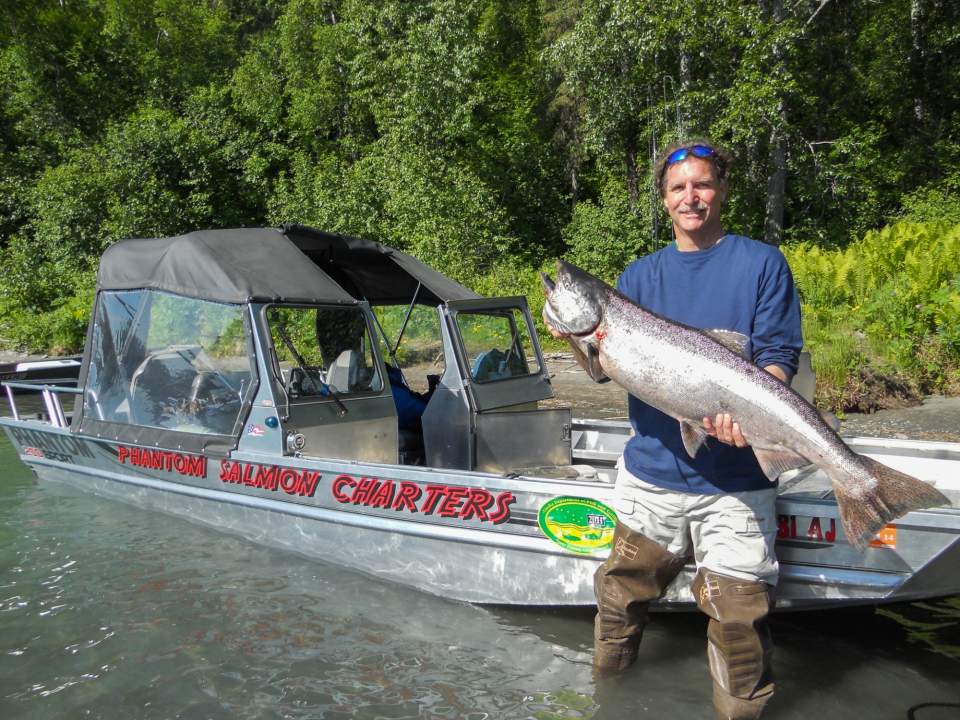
51 371
262 381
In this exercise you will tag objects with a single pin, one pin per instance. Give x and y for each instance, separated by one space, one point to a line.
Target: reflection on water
108 611
932 623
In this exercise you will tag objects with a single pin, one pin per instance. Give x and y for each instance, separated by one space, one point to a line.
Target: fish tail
876 496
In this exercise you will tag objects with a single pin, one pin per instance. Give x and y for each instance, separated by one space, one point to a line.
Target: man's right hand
550 328
588 360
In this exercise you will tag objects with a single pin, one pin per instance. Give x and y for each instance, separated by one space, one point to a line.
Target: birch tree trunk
630 157
919 12
777 181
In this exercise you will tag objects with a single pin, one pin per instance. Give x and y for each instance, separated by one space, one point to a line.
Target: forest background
489 137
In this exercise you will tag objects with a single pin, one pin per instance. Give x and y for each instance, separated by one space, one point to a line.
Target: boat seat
343 372
215 404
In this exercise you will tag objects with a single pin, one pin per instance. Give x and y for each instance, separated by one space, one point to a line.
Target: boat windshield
165 361
497 344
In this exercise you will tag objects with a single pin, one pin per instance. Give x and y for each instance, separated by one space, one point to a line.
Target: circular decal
578 524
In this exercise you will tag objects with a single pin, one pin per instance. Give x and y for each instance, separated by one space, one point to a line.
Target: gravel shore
937 418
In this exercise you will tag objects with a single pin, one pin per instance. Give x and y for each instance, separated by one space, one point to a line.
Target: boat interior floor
582 472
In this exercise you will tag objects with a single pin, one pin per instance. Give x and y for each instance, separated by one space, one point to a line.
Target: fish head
575 302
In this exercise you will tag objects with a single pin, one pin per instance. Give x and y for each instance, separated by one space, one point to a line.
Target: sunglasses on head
681 154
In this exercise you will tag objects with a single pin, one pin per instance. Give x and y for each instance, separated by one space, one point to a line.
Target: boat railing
51 399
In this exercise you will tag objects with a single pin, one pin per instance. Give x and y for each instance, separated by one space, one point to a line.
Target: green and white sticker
578 524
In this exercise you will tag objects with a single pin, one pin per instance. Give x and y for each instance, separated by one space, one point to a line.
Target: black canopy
289 264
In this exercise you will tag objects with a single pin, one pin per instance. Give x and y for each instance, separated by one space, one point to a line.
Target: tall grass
882 316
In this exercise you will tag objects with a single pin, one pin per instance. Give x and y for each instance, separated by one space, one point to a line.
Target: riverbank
936 418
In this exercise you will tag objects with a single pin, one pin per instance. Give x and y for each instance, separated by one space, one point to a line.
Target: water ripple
111 612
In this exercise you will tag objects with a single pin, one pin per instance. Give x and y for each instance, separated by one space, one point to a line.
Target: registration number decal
799 527
886 538
824 530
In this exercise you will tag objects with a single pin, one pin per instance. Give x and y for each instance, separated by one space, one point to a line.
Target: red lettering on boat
502 514
361 494
272 477
288 480
476 504
339 483
383 495
434 493
450 506
307 485
407 497
171 462
267 477
831 534
787 529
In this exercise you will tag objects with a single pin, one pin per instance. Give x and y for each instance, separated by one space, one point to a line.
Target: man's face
693 196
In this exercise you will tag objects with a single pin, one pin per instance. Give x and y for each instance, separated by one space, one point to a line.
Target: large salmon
690 374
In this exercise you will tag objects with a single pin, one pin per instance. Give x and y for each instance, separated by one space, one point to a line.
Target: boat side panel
464 518
451 566
499 505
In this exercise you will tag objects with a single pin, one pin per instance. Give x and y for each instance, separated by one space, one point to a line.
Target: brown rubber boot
637 571
738 642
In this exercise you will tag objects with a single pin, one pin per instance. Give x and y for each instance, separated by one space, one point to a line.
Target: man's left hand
724 429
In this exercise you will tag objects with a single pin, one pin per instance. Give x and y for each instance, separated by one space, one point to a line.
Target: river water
108 611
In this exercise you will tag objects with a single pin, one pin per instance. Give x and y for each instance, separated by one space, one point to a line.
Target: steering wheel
211 387
300 383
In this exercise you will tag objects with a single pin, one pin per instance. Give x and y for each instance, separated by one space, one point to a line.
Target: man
717 507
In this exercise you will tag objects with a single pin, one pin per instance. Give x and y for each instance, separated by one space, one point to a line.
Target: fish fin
588 357
877 495
776 462
732 340
693 437
830 419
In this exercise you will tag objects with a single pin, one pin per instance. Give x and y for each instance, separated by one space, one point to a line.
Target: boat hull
310 510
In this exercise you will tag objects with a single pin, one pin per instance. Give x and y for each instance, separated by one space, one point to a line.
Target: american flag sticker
255 430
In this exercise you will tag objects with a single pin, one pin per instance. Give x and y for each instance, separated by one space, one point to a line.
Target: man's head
692 179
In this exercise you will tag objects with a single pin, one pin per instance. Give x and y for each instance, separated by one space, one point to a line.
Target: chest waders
637 572
738 642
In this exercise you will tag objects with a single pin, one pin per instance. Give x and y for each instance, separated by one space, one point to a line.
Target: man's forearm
779 373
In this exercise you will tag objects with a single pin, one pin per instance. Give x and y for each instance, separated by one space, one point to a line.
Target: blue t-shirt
738 284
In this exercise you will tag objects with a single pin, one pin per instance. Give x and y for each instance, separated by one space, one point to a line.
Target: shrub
882 316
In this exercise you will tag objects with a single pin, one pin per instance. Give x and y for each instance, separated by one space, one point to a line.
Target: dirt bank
937 418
